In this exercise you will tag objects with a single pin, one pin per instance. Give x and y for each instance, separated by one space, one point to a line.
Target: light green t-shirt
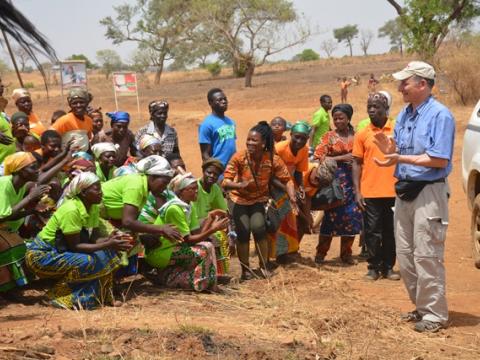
70 218
129 189
8 199
5 128
321 121
100 173
159 257
208 201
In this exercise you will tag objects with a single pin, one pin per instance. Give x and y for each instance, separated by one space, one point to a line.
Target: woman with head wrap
159 128
125 196
120 135
20 128
294 153
70 250
190 264
210 198
345 220
105 154
23 101
19 198
247 177
386 98
77 119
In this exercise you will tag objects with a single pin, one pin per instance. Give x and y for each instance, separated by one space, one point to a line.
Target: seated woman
69 249
210 197
191 262
18 200
247 177
125 196
105 155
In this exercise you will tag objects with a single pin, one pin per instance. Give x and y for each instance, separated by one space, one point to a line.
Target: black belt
441 180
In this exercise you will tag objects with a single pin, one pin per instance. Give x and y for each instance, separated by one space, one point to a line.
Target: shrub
214 68
29 85
307 55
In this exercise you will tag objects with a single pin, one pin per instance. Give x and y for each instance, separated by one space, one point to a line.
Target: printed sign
73 73
125 84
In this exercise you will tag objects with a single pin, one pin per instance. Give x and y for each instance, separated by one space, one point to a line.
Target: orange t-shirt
298 162
376 181
70 122
36 125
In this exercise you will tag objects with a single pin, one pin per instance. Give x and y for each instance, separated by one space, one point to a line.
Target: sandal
428 326
411 316
246 276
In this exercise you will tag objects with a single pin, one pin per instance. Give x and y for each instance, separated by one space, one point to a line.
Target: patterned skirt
192 267
285 240
84 281
222 252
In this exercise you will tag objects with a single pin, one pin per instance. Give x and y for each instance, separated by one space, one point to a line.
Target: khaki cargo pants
420 230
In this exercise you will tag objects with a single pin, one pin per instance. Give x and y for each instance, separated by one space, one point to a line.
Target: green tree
109 61
346 34
88 63
428 22
248 32
394 31
307 55
158 26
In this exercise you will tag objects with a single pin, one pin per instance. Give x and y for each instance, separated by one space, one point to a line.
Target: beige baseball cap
418 68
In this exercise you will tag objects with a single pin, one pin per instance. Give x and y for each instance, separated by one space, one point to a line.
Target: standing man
216 133
422 150
320 122
375 197
159 128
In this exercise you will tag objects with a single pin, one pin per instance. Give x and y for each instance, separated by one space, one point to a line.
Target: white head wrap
389 99
181 181
155 165
80 182
99 148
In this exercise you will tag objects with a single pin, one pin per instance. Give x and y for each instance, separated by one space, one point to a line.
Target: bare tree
22 56
328 46
366 37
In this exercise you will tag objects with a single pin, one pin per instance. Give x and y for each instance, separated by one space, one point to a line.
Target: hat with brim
418 68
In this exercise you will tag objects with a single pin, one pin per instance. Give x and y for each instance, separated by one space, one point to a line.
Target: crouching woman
70 250
191 262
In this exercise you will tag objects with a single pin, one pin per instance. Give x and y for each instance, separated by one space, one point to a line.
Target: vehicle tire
475 231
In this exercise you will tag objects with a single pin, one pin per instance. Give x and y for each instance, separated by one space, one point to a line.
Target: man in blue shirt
422 150
216 133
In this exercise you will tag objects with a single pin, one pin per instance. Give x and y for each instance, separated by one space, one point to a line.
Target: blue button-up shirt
429 129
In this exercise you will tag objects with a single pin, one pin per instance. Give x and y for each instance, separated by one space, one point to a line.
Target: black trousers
379 234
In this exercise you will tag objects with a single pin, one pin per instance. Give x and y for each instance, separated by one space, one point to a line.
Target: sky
73 27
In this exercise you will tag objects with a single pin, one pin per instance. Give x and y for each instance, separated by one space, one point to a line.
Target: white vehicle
471 177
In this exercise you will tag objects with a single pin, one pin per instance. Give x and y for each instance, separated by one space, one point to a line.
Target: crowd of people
84 206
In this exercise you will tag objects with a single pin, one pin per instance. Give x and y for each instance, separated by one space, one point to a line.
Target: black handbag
329 197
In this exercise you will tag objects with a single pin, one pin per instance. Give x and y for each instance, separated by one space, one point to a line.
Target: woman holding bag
247 178
345 220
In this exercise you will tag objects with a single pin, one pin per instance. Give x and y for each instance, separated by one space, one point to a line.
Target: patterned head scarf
301 127
155 165
99 148
82 155
147 140
119 116
181 181
213 162
326 171
344 108
80 182
20 93
78 93
16 162
380 98
79 165
157 104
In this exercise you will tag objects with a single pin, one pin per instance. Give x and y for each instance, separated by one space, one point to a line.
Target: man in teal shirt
320 121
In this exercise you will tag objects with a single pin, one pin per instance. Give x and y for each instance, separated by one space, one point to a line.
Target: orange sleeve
60 125
358 141
280 170
303 164
231 170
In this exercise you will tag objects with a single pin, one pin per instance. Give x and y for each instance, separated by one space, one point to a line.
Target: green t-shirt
176 215
70 218
207 202
363 124
129 189
5 128
321 121
100 173
8 200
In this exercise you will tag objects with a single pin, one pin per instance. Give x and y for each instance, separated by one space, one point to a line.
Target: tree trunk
158 74
249 74
350 46
401 48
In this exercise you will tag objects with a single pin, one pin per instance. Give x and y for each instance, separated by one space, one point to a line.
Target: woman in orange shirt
23 102
247 177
